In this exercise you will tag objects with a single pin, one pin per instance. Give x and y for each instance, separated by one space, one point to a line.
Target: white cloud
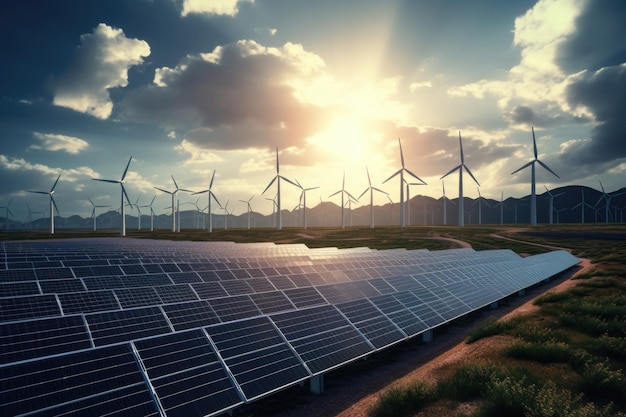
423 84
212 7
52 142
196 154
539 33
101 62
68 175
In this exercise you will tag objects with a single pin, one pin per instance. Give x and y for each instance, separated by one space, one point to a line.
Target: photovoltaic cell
137 297
58 381
234 308
175 293
187 375
122 326
257 356
322 337
88 301
370 321
16 289
24 340
190 315
28 307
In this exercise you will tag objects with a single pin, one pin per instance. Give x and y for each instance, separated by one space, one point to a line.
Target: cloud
241 95
525 116
52 142
212 7
101 62
598 38
424 84
601 93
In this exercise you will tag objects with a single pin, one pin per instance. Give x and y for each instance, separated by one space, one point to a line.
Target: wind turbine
174 205
123 194
502 207
53 204
226 213
343 192
249 208
371 190
552 197
210 195
533 196
277 178
401 172
479 201
408 201
460 168
138 211
558 211
303 199
607 197
582 205
8 212
273 200
151 213
93 212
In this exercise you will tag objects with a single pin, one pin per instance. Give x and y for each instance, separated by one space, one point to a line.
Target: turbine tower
479 201
303 200
552 197
123 194
53 204
502 207
401 172
371 190
460 168
210 195
343 193
533 196
582 205
277 178
607 197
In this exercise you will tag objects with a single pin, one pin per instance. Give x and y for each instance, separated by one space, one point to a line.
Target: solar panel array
98 326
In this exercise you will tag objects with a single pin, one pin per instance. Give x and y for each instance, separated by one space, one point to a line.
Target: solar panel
122 326
322 337
88 378
186 374
212 325
257 356
24 340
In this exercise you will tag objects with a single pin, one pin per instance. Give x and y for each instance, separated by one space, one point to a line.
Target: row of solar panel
27 339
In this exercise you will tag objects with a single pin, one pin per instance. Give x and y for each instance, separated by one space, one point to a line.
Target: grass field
565 359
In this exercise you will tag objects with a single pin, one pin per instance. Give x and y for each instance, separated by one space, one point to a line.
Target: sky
192 87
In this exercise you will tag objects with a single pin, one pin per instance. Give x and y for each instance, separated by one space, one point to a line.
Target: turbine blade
289 181
450 172
369 181
393 175
461 147
366 190
175 185
602 186
471 175
547 168
269 185
54 203
55 183
416 177
352 197
165 191
212 178
215 198
126 195
111 181
534 142
523 166
201 192
40 192
277 163
335 193
379 190
126 170
401 154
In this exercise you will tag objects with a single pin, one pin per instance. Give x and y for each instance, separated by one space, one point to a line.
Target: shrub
490 327
403 401
540 352
600 381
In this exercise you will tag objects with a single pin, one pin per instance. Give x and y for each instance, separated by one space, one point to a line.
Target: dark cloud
524 116
602 92
241 100
598 38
